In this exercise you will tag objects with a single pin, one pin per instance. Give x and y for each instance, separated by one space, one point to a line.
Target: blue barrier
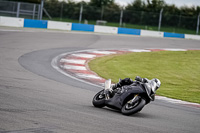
35 23
175 35
90 28
83 27
129 31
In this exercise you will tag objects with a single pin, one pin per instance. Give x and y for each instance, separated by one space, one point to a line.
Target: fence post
61 11
81 11
102 11
41 9
34 6
45 11
198 24
18 9
38 13
160 19
121 17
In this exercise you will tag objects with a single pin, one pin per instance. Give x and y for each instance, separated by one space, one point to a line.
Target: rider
130 82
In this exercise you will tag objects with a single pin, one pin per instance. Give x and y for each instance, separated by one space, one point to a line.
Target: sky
178 3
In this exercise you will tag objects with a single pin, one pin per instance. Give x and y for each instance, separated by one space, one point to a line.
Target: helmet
155 84
158 83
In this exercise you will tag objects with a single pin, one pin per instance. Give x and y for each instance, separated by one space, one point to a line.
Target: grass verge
179 72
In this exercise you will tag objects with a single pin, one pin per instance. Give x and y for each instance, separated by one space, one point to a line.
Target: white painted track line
73 67
84 55
82 62
88 76
102 52
139 50
175 49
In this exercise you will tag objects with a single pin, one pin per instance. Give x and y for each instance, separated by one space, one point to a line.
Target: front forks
134 100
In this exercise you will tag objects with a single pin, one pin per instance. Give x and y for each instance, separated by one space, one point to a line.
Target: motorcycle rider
154 83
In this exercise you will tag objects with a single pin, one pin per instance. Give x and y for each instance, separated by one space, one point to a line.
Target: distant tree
136 5
53 7
30 1
155 5
133 12
100 3
112 12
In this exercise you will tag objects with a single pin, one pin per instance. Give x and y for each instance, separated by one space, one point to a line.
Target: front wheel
99 99
129 109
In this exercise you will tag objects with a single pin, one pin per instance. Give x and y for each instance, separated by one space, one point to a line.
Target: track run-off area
75 65
35 97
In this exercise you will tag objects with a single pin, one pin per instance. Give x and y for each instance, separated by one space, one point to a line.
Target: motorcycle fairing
118 99
148 87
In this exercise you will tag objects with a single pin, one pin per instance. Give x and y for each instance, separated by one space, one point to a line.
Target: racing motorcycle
127 99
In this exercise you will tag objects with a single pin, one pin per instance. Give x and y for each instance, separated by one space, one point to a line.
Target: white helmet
155 84
158 83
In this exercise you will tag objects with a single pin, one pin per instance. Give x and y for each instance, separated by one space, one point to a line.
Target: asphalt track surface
35 98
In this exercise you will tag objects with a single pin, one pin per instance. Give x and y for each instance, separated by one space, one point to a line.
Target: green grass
179 72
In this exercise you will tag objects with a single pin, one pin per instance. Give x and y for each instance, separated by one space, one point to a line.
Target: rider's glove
115 86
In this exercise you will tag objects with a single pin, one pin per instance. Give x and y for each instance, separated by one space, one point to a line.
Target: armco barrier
175 35
82 27
151 33
105 29
59 25
10 21
129 31
21 22
35 23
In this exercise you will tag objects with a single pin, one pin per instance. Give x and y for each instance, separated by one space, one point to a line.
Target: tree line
29 1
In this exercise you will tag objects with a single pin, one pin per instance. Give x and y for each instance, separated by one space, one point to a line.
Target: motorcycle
128 99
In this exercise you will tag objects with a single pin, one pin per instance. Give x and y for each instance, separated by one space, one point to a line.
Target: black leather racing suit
128 81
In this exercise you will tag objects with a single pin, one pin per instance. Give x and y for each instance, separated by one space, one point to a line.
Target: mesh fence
19 9
129 19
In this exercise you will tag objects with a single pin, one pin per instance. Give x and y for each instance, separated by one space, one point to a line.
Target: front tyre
99 99
129 109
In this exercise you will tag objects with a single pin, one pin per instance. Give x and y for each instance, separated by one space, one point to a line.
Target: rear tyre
129 109
99 99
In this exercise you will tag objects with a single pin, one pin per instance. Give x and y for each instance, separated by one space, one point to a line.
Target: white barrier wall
151 33
196 37
13 22
59 25
105 29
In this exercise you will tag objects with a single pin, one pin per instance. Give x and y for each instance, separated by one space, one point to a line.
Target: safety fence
20 9
46 24
165 19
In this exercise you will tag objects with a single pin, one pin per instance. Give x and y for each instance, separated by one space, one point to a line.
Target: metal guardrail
20 9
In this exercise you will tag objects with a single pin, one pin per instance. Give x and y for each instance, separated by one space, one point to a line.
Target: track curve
36 98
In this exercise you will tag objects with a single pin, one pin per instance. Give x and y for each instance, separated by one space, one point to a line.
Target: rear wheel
99 99
129 108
